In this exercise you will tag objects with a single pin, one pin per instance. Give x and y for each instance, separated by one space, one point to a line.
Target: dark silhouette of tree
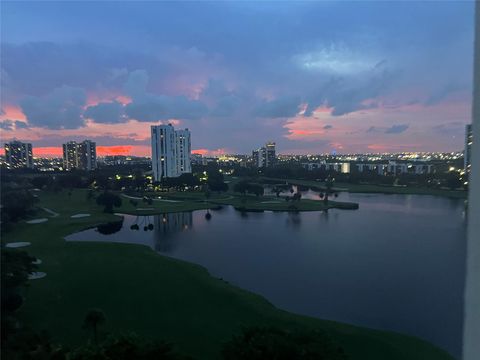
93 319
16 267
109 200
453 180
329 181
16 205
271 343
110 227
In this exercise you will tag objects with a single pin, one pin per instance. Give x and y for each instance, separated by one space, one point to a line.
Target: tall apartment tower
81 156
468 148
87 155
183 150
270 155
19 155
265 156
170 151
70 155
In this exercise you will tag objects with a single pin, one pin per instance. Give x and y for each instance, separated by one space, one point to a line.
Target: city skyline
316 78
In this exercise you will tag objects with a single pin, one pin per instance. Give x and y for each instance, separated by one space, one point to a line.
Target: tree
93 319
16 205
272 343
329 181
453 180
109 200
16 267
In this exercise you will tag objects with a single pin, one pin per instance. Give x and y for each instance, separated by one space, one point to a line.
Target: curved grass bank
374 189
159 297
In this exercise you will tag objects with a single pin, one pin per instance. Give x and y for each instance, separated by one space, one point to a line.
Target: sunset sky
314 77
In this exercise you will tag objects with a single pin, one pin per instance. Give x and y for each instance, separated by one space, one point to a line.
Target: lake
397 263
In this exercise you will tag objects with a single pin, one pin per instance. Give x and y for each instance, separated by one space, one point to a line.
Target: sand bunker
17 244
145 208
36 275
51 212
37 221
132 197
77 216
37 262
165 200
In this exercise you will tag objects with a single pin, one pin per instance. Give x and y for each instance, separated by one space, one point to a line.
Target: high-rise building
270 155
170 151
183 150
80 155
468 148
265 156
87 155
70 155
19 155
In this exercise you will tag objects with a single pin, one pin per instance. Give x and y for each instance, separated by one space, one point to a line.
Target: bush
272 343
109 200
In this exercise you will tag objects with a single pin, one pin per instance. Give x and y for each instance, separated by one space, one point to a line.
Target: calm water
397 263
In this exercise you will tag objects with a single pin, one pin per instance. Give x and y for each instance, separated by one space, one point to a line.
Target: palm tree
328 189
93 319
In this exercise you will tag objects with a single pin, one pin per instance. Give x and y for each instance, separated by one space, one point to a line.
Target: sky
315 77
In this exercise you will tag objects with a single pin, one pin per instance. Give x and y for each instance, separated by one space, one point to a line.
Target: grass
159 297
188 201
381 189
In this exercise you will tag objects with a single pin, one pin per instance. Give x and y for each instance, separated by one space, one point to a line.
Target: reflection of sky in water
396 263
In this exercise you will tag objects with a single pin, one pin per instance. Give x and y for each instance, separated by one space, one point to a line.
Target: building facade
170 151
87 155
265 156
468 148
70 155
81 156
19 155
183 150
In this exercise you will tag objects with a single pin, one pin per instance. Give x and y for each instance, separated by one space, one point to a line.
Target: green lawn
159 297
187 201
373 188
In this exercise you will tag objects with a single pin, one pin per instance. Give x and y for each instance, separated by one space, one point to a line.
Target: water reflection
166 226
110 228
397 263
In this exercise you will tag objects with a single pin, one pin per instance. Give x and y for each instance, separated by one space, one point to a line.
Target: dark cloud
454 127
443 93
106 113
60 109
372 129
282 107
9 125
327 127
6 125
146 106
21 125
226 106
396 129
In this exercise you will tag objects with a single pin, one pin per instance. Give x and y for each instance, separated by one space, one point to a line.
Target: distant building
183 150
18 155
70 155
81 156
87 155
170 151
270 154
468 148
380 167
265 156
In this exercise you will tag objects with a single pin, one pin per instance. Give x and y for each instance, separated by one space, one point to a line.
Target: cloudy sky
315 77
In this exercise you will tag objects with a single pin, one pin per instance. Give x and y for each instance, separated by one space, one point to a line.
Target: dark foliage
109 200
272 343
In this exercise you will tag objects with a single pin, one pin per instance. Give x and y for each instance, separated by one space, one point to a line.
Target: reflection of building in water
167 225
